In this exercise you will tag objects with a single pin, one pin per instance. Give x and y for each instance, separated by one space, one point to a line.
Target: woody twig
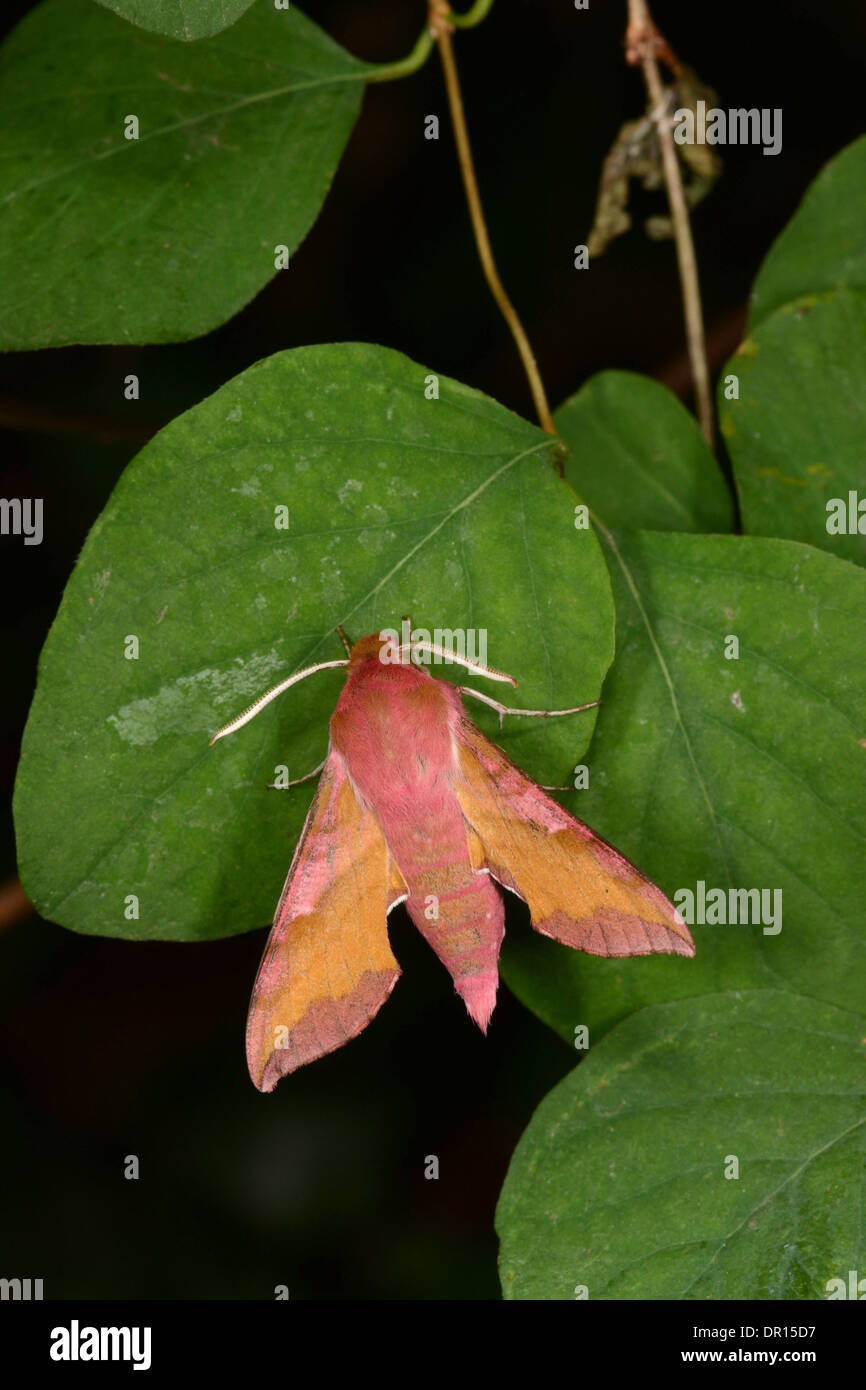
645 47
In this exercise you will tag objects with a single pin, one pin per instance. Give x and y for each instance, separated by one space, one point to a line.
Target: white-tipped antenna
265 699
447 655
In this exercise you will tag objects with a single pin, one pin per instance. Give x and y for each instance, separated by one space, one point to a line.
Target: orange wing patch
579 889
328 967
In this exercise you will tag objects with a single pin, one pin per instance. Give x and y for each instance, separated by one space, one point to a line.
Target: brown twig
644 46
14 903
441 29
40 417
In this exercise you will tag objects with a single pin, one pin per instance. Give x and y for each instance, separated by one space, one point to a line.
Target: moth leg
344 639
502 710
296 781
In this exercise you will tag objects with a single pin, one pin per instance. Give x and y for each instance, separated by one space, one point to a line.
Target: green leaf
796 433
822 248
620 1183
109 239
638 458
744 773
182 19
446 509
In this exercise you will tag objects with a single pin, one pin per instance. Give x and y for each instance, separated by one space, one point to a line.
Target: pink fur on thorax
395 727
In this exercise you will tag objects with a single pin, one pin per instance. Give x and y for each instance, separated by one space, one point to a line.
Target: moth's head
383 647
379 646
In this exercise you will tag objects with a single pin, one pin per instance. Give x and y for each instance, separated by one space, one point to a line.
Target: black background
113 1048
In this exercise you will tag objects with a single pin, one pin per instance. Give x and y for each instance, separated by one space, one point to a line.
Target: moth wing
579 889
327 966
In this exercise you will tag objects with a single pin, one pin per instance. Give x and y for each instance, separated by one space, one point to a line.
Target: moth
415 805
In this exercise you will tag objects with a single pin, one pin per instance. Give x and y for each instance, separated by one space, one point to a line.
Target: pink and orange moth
416 806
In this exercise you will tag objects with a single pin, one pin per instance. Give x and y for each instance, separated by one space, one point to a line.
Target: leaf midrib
167 131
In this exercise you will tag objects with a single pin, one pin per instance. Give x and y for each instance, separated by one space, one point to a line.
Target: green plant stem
479 226
438 30
390 72
479 11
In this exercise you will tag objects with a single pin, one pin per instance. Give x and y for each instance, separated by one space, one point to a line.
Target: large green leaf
738 773
796 433
620 1184
108 239
183 19
448 510
823 247
638 457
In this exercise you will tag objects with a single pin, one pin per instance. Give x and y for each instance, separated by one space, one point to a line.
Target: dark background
113 1048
